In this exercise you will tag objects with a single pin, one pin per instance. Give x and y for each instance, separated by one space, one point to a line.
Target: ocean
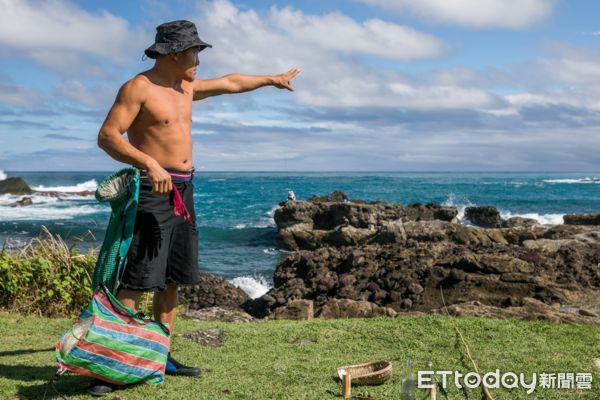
238 237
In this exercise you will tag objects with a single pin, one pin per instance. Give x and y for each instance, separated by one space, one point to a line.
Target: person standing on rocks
155 109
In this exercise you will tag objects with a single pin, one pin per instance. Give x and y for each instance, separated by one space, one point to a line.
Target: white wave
40 212
460 205
90 185
545 219
240 226
270 221
2 175
254 286
7 199
270 250
580 180
45 208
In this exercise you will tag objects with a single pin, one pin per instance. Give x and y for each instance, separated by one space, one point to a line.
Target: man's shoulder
138 82
135 88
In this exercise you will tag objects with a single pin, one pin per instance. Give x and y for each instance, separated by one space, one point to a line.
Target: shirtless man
155 109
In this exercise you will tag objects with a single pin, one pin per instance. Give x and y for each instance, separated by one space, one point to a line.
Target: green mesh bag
121 190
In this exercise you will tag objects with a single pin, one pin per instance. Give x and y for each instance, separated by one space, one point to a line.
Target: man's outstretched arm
238 83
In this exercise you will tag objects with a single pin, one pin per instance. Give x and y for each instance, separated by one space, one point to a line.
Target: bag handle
139 314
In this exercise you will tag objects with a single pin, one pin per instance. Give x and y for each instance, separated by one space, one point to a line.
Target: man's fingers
166 187
162 186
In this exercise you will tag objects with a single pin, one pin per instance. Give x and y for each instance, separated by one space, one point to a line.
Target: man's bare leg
129 298
165 310
164 305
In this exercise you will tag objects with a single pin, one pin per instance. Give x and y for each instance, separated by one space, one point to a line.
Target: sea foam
580 180
545 219
90 185
254 286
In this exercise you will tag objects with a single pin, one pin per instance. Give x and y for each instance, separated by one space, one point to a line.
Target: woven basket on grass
373 373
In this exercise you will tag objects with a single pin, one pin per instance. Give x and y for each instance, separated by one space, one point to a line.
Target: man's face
188 61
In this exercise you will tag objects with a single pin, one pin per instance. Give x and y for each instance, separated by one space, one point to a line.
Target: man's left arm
239 83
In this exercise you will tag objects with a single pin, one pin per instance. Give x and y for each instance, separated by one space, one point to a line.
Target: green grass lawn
298 359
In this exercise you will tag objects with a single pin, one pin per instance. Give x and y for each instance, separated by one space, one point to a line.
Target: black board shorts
164 248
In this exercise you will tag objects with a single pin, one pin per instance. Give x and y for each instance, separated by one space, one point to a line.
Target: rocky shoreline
360 259
354 259
17 186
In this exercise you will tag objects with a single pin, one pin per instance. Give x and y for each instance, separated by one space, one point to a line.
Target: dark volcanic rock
296 310
19 186
360 258
485 216
346 308
25 201
14 186
212 290
407 276
310 225
582 219
519 222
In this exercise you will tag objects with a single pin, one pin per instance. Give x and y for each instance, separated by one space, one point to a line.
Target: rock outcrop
310 225
18 186
582 219
14 186
486 216
212 291
369 259
25 201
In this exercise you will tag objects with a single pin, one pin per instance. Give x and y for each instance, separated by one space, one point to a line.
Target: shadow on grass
66 385
24 351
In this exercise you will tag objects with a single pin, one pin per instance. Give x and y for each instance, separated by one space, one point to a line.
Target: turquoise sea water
235 209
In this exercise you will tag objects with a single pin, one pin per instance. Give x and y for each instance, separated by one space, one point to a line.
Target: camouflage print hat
173 37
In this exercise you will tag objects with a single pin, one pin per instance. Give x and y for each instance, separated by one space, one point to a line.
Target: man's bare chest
167 108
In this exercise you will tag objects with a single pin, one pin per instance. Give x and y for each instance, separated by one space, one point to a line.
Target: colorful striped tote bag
111 342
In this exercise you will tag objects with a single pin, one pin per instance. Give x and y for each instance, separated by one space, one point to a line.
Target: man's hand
282 81
161 180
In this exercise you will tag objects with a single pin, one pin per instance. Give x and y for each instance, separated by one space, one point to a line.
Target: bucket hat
173 37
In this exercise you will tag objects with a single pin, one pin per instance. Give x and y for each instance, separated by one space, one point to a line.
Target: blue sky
386 85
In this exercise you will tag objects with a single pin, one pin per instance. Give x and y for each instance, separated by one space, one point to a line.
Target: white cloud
17 95
288 29
320 45
512 14
90 96
573 65
338 32
50 31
